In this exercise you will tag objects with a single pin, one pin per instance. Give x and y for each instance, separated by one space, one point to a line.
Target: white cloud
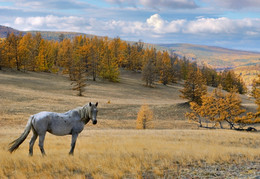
19 21
252 33
158 4
50 22
235 4
154 26
174 4
161 26
210 25
156 23
50 4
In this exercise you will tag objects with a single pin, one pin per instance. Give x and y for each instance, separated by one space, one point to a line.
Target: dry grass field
114 148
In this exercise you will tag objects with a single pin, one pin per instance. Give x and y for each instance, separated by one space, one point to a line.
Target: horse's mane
83 112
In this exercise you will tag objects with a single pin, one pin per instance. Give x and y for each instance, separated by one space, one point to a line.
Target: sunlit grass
122 153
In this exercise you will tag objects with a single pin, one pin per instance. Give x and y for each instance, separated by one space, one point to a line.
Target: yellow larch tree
93 52
108 68
252 118
149 70
65 56
165 69
46 56
217 107
1 53
195 86
11 51
117 49
144 118
25 51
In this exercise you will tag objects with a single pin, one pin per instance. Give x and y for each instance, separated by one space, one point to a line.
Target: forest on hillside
100 57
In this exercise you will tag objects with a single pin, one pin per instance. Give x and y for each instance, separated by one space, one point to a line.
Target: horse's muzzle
94 122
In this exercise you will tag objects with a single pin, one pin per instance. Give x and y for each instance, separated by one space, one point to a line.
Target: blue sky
226 23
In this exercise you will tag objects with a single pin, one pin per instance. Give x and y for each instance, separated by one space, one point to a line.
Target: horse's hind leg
73 143
33 139
41 142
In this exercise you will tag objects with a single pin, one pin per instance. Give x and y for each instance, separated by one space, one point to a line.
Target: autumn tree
185 66
135 56
93 52
149 73
231 108
217 107
78 65
165 68
108 68
47 56
194 87
257 93
11 51
117 48
176 68
1 53
25 50
37 39
252 118
79 70
210 75
65 57
149 69
144 118
229 79
61 37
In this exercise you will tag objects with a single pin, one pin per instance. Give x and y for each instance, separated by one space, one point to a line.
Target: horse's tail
16 143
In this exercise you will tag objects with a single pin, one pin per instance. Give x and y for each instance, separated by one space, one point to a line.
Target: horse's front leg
73 143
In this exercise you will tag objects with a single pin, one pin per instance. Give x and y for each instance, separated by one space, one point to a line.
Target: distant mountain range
4 31
243 62
49 35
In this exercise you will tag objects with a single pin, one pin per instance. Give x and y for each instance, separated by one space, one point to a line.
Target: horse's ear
90 104
96 103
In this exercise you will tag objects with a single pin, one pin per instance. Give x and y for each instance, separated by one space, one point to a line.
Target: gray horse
69 123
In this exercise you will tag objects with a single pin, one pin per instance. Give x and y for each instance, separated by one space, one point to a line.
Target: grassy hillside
216 56
36 92
23 94
113 148
244 63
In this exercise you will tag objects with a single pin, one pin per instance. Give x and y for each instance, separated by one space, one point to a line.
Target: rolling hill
216 57
49 35
244 63
4 31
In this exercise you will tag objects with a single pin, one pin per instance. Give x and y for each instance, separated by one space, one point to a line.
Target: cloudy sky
226 23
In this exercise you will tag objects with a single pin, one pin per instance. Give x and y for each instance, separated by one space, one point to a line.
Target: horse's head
92 112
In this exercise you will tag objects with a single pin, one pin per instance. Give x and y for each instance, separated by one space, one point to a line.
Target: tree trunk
220 124
94 75
200 123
